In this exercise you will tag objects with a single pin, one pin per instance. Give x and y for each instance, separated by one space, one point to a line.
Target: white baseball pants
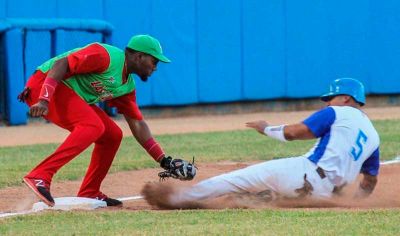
283 176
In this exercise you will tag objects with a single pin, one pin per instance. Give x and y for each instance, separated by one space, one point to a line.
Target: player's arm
141 131
126 105
91 59
282 132
297 132
54 76
175 168
370 170
313 127
59 69
367 186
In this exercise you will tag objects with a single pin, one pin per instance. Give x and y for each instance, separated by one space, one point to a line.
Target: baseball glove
177 169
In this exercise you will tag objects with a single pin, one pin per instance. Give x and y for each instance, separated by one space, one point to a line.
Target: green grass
203 222
207 147
245 145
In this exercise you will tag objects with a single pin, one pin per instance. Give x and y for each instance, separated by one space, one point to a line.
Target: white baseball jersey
348 143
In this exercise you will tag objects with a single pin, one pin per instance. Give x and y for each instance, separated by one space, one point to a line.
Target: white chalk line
123 199
4 215
393 161
9 214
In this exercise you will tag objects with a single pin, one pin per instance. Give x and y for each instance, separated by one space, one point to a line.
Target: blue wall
244 49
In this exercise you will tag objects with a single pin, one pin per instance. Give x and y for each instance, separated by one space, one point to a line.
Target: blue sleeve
371 165
320 122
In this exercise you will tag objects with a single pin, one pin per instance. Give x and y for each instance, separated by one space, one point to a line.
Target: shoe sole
34 189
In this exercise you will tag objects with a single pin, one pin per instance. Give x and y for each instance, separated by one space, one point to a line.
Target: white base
70 203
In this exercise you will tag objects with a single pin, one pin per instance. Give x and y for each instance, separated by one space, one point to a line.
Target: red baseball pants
88 124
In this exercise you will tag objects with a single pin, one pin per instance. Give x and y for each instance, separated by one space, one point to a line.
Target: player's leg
283 176
255 178
102 156
292 174
68 111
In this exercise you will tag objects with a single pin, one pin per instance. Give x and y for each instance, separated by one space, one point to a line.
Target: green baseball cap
149 45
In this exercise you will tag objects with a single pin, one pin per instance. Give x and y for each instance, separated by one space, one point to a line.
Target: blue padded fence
2 77
15 112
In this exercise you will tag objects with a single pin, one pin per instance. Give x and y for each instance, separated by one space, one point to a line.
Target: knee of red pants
112 135
116 135
97 129
90 132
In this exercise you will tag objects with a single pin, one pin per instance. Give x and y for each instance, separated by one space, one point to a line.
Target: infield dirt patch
123 184
130 183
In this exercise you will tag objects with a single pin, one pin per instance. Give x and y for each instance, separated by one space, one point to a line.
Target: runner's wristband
276 132
48 88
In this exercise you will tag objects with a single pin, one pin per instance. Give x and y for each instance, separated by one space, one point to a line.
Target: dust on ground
130 183
123 184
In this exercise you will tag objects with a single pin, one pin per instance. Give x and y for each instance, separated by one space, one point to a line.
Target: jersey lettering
361 139
98 87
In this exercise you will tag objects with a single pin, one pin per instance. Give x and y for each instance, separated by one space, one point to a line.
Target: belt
336 189
320 172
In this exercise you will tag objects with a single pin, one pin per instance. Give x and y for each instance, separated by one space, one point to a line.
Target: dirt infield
123 184
130 183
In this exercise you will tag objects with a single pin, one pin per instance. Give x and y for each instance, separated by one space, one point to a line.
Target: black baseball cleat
112 202
109 201
41 190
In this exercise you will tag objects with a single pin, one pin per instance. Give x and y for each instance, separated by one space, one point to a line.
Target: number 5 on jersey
357 150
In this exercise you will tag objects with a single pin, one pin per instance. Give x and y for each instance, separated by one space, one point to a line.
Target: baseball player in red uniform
65 90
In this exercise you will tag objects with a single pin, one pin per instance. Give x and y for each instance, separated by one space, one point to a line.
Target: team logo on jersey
106 96
111 79
98 87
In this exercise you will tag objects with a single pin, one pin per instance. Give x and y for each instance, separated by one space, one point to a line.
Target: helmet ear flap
327 98
350 98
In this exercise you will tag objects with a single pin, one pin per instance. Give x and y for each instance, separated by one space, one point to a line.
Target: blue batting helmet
346 86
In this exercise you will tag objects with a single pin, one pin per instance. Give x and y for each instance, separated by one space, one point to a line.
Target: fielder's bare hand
39 109
258 125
